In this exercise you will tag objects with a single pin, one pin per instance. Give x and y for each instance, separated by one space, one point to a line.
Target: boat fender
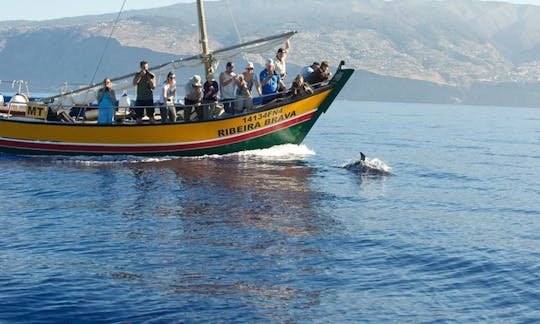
1 99
20 99
124 101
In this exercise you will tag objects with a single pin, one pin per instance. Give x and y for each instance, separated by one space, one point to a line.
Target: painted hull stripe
85 148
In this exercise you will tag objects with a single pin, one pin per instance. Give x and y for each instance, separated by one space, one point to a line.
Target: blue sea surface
287 234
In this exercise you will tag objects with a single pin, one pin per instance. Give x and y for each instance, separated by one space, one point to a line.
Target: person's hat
230 64
250 65
197 81
210 77
269 62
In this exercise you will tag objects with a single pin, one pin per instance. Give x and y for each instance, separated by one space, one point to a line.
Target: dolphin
366 166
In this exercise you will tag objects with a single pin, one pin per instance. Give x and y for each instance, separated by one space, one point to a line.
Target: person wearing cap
166 99
193 96
244 93
210 96
271 82
281 54
146 83
307 70
227 83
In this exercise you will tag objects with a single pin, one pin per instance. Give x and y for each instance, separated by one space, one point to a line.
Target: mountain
454 51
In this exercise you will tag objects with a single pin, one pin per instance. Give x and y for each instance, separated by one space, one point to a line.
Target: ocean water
445 228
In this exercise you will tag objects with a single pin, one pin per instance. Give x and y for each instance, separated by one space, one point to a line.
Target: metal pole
204 38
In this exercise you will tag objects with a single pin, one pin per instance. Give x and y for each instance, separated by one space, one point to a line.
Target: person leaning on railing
244 92
193 98
299 87
320 74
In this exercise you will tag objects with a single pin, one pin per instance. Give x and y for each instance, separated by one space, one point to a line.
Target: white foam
377 164
281 151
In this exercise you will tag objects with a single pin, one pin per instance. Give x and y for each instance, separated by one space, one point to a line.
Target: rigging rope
235 26
108 41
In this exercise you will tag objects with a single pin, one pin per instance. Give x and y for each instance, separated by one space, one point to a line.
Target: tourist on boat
193 98
210 96
166 100
227 83
146 83
244 95
281 54
299 87
319 75
307 70
271 82
107 101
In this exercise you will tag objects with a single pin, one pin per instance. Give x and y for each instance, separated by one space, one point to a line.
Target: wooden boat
281 122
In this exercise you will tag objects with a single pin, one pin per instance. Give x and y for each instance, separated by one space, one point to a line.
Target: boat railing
125 114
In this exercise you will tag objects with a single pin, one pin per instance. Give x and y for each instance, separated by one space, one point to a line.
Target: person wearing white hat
271 82
193 96
244 93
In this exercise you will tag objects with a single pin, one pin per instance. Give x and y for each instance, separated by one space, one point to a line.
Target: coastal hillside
459 51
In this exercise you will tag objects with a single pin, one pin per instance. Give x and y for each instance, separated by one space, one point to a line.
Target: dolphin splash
368 166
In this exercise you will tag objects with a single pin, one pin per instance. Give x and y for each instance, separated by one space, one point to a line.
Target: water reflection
242 231
247 225
275 196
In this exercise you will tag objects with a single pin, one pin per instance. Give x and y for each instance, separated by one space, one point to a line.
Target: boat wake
103 160
368 166
280 152
286 152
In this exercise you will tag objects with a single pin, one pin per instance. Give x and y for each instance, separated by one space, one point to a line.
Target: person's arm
137 78
266 79
113 97
224 82
287 46
99 95
257 86
281 84
152 80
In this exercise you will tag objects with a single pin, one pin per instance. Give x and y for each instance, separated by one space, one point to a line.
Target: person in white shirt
166 99
281 54
227 85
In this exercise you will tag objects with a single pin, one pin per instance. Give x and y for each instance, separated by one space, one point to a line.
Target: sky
51 9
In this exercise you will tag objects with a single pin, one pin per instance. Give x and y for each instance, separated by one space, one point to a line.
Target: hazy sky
50 9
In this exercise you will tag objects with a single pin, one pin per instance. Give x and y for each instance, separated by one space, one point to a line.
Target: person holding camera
271 82
106 98
146 83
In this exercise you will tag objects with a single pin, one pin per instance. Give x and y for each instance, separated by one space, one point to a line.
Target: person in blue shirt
107 101
271 82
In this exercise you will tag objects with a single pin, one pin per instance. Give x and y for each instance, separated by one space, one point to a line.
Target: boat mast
204 38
